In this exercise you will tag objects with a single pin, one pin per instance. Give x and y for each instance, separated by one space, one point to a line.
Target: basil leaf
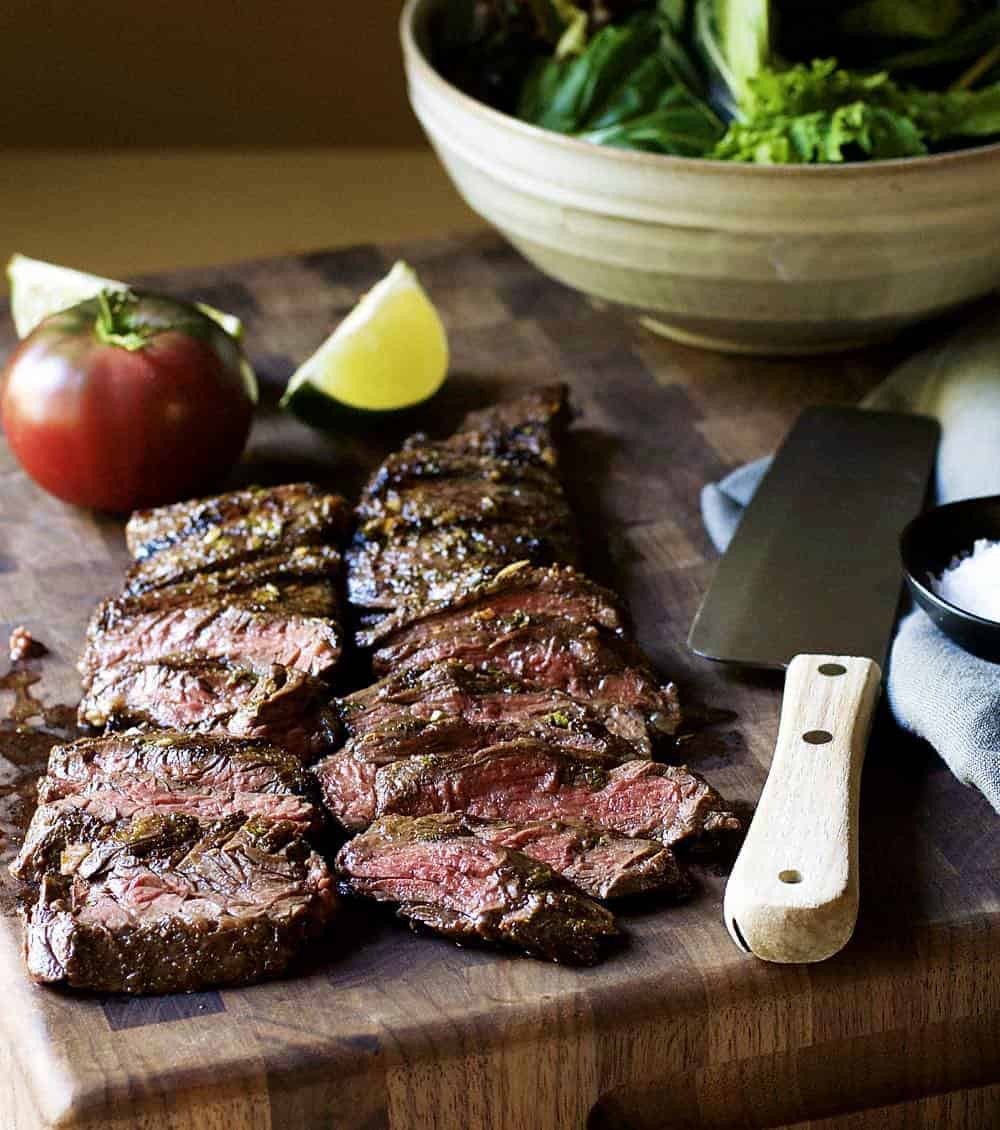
681 125
626 89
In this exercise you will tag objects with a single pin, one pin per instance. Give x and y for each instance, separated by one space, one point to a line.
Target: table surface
682 1030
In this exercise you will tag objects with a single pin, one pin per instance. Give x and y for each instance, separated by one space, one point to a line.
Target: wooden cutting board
384 1029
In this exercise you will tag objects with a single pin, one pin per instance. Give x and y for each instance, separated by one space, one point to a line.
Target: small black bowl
929 544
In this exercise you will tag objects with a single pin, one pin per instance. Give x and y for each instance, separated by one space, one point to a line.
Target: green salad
779 82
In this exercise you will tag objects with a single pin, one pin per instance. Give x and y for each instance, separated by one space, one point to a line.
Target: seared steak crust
217 761
427 566
588 663
431 463
519 590
472 501
453 702
440 518
172 543
526 781
169 904
199 695
530 427
287 616
458 885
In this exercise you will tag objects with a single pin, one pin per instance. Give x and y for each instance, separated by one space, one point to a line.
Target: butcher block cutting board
384 1029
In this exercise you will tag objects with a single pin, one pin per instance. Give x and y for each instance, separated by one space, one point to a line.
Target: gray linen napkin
936 690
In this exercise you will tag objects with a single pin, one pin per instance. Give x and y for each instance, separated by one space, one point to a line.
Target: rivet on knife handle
793 893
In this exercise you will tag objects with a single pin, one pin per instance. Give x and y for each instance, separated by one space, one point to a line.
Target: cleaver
811 584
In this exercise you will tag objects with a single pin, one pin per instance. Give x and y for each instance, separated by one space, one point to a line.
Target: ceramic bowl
746 258
929 545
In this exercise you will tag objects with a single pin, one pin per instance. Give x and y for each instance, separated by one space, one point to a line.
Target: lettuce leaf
847 133
821 112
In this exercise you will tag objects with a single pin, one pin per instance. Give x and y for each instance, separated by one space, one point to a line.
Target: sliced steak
588 662
473 501
424 566
173 543
519 590
215 763
602 863
178 692
431 463
290 619
462 887
349 778
454 705
526 781
529 426
100 813
98 783
168 904
411 737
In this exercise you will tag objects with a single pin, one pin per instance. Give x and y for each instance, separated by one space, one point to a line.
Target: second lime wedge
38 289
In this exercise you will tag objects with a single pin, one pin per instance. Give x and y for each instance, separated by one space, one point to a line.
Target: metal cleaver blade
811 583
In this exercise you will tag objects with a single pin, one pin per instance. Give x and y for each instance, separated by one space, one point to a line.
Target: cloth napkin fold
935 689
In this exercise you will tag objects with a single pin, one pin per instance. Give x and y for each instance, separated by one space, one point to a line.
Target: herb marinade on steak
454 883
95 785
281 704
514 710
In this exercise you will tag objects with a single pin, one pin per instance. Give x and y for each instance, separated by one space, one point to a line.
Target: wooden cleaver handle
793 893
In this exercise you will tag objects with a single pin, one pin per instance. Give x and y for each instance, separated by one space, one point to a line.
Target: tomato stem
116 323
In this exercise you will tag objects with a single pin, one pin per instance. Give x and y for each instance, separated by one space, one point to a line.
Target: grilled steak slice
451 706
458 885
589 663
172 905
473 501
427 566
528 427
432 463
100 812
525 781
214 763
98 782
518 591
288 618
280 704
172 543
349 778
602 863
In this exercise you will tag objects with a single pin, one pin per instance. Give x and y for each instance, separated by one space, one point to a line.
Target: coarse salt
972 582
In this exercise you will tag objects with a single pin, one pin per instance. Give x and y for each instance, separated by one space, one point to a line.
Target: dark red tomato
127 400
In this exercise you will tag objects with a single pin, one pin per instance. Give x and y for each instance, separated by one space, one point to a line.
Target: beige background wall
166 73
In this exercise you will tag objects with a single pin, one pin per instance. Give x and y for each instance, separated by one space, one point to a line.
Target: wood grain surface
380 1029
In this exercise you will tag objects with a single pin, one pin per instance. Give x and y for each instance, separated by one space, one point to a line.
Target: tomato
127 400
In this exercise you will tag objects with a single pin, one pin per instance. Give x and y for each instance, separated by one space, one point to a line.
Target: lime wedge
38 289
389 353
